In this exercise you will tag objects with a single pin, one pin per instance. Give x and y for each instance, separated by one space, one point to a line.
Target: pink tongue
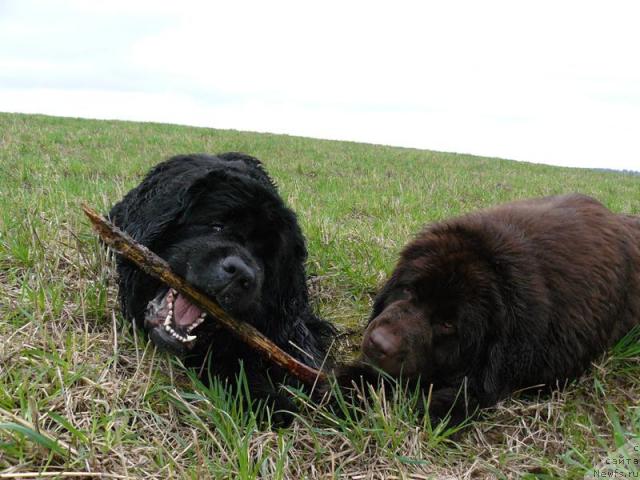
184 312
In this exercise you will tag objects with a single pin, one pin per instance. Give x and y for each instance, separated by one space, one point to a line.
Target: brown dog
521 295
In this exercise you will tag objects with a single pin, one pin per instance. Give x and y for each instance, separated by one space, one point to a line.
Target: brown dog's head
432 317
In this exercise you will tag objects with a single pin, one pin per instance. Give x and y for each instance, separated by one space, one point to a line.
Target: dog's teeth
184 339
170 330
198 321
167 321
192 326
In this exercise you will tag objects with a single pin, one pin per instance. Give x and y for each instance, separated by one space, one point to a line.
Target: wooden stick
155 266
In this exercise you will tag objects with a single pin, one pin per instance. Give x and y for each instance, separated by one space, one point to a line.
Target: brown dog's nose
380 344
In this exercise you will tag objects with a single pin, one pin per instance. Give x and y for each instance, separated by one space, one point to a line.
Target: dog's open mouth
176 315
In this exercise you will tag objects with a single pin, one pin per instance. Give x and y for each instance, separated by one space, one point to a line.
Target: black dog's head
220 224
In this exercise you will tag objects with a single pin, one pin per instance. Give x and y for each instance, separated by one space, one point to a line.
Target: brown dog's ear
492 377
380 302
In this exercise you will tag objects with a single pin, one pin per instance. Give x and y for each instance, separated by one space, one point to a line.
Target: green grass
81 392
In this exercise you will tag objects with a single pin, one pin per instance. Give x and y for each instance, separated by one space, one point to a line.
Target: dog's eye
407 290
445 328
217 227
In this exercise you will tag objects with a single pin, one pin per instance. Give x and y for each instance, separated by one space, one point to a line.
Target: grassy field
81 394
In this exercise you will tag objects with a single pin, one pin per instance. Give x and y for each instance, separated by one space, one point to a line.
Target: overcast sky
552 82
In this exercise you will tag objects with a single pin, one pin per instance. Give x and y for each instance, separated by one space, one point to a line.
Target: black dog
522 295
220 224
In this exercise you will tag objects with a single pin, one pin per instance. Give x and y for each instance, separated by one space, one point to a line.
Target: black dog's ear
143 220
254 167
232 187
188 197
250 161
141 213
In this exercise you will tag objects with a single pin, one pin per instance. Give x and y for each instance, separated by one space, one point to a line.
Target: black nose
233 270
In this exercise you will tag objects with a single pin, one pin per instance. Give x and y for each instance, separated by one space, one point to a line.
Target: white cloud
549 82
